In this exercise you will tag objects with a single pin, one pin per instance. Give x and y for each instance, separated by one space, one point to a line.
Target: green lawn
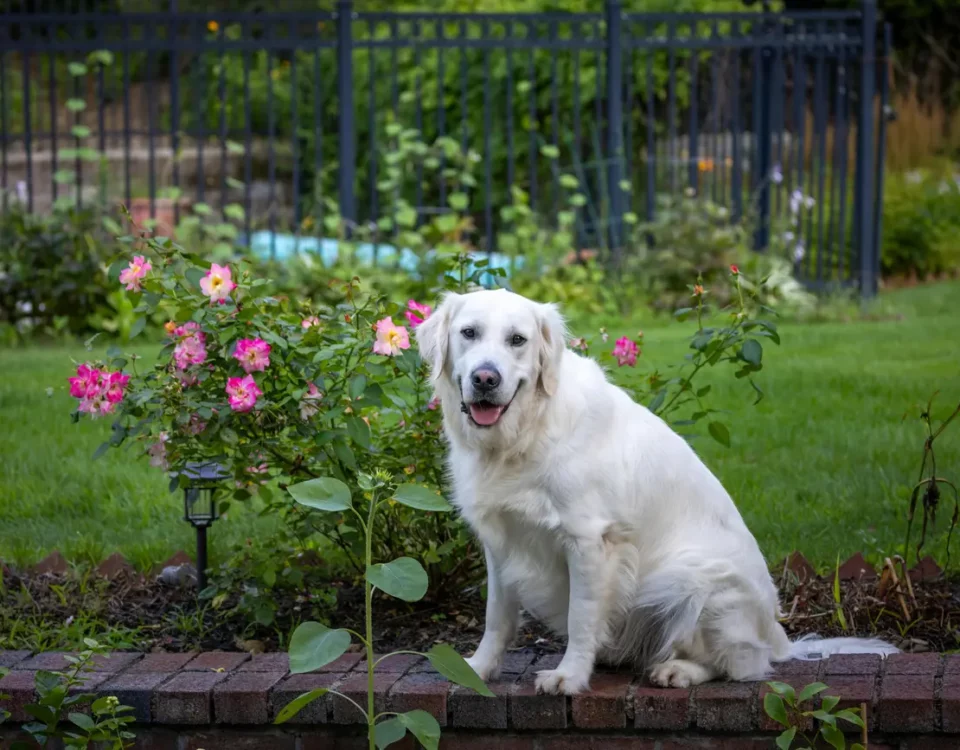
823 464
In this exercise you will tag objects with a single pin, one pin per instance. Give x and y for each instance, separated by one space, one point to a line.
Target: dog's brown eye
518 340
468 333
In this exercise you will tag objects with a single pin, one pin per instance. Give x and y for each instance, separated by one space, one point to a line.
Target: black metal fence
261 116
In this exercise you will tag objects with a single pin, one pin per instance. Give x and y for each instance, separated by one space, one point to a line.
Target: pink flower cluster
191 348
99 390
134 273
626 351
242 393
253 355
417 313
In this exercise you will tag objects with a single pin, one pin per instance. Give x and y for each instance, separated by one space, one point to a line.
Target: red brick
603 706
12 658
852 691
135 689
661 708
797 668
517 662
238 741
115 662
528 710
951 665
51 661
489 742
907 704
473 711
151 738
20 686
769 725
547 661
575 742
852 664
396 664
296 685
426 691
185 699
725 706
215 661
161 663
355 686
926 743
718 743
918 664
949 701
275 662
244 698
343 664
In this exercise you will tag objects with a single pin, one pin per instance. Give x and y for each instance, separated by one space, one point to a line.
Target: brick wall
226 701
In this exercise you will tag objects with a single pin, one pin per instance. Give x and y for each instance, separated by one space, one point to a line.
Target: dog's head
492 354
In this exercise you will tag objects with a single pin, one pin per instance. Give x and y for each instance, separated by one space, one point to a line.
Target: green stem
368 594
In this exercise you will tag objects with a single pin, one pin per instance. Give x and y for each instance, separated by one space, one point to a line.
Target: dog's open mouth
485 413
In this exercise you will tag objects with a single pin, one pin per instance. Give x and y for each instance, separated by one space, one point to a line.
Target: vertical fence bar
651 135
865 152
295 132
348 135
487 149
463 88
843 140
736 172
52 83
222 96
4 131
27 125
671 108
613 12
763 134
693 137
718 166
271 152
247 140
317 203
818 138
418 112
372 126
441 108
175 111
511 163
532 78
882 142
127 177
554 112
150 34
200 99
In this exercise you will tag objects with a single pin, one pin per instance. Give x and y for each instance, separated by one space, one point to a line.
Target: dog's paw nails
677 674
484 669
561 682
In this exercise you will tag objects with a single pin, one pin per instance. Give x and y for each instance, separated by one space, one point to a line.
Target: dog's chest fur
522 523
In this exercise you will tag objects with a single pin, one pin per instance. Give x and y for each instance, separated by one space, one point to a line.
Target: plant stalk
368 593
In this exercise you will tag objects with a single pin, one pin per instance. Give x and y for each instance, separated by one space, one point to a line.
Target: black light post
200 507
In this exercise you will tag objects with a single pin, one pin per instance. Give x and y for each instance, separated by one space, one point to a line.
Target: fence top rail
281 16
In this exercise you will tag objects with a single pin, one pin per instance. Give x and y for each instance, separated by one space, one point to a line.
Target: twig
896 587
863 730
906 578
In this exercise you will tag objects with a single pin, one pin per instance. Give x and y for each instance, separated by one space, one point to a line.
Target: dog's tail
814 648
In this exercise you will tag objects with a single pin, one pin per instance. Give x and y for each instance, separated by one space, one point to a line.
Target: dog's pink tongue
484 414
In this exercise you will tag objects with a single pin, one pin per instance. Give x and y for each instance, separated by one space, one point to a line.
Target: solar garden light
200 507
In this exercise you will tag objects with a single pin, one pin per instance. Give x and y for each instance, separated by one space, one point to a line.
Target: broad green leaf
551 152
785 740
774 708
825 717
297 704
452 666
77 69
385 733
458 201
82 720
194 274
422 726
421 498
782 688
833 736
359 432
322 493
101 449
752 352
314 645
137 328
811 690
851 715
829 702
403 578
720 433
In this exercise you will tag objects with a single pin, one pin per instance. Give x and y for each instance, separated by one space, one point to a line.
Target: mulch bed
167 618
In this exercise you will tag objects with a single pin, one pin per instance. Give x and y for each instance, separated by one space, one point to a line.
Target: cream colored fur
596 517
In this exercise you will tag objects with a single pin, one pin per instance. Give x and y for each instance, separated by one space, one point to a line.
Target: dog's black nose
485 379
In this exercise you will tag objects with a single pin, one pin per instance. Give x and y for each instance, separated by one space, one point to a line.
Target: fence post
763 132
865 213
613 12
347 137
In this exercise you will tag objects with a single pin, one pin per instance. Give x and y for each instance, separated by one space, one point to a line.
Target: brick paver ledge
229 701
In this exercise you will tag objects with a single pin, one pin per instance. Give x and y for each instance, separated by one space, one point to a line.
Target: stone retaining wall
227 701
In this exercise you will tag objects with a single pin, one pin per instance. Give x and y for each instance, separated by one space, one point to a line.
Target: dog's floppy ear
553 341
433 333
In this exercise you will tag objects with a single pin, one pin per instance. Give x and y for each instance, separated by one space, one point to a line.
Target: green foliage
314 645
792 710
56 712
921 224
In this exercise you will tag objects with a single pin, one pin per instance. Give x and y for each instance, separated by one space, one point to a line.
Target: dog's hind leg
500 628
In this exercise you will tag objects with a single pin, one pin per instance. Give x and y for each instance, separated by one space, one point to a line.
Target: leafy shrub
921 224
53 273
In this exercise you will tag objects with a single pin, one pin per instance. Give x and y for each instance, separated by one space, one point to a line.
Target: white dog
595 517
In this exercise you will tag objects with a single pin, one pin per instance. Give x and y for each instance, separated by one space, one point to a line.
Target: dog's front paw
485 668
679 673
562 681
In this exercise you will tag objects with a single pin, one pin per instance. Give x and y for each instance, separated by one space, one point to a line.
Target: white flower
776 174
798 252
